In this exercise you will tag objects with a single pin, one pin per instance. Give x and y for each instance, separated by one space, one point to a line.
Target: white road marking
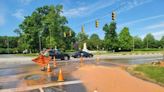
41 89
40 86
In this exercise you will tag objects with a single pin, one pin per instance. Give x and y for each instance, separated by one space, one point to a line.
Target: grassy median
28 55
149 72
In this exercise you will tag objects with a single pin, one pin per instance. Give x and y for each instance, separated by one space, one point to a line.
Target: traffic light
97 23
70 33
113 16
64 34
82 29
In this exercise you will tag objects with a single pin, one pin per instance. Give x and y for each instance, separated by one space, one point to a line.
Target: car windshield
84 52
57 52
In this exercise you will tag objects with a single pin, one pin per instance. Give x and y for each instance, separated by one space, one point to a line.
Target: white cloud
129 4
2 20
75 11
140 20
25 2
19 14
88 9
154 26
3 12
157 35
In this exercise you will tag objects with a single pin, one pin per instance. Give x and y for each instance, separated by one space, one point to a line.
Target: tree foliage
94 42
82 38
48 24
125 39
138 44
162 42
111 39
149 41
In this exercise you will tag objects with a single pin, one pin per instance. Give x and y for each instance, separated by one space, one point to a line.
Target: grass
130 52
28 55
150 73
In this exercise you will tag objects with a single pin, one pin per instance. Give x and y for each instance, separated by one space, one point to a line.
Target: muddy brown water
44 78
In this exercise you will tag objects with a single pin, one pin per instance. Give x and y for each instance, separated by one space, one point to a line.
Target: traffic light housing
97 23
64 34
82 29
70 33
113 16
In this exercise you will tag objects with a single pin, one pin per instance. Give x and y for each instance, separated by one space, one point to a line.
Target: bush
10 50
148 49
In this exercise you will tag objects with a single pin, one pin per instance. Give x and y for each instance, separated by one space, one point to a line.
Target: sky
140 16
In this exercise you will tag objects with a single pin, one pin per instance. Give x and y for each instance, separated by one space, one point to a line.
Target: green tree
111 39
69 40
17 31
3 42
157 44
149 41
162 42
11 40
138 44
125 39
82 38
94 42
48 24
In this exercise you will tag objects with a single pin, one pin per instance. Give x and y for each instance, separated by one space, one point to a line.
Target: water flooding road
11 75
131 61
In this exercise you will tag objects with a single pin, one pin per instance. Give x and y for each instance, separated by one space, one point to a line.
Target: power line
91 20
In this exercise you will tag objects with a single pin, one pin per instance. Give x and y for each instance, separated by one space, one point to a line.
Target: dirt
112 79
162 63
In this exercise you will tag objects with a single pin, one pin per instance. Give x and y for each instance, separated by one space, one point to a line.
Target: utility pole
133 43
147 43
7 45
50 38
40 47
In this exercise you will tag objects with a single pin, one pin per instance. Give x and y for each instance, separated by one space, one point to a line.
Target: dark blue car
82 53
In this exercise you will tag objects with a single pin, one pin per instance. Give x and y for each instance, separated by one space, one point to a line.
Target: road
15 70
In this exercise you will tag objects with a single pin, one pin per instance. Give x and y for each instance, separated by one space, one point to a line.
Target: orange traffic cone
48 68
60 76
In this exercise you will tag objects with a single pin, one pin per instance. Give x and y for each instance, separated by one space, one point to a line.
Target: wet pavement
68 88
29 74
131 61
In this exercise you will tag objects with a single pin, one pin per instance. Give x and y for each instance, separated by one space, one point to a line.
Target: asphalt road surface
14 69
